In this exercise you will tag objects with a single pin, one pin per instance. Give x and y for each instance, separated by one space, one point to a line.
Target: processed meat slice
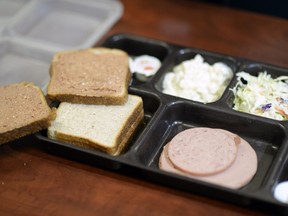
202 151
165 164
235 137
236 176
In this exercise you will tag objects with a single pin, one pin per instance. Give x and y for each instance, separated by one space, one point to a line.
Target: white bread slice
90 76
24 110
106 128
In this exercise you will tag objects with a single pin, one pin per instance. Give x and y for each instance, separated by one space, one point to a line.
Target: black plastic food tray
166 115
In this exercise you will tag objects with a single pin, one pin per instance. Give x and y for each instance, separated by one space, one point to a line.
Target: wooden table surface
33 182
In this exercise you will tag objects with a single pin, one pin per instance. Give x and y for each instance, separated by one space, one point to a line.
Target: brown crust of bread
105 93
80 99
132 126
27 129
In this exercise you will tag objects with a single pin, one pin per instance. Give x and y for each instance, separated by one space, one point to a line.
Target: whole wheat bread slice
90 76
24 110
106 128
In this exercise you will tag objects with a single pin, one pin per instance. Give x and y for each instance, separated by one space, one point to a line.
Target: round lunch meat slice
202 151
236 176
165 164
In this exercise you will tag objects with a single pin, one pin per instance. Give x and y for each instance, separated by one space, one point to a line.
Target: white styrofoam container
31 31
9 9
66 24
21 62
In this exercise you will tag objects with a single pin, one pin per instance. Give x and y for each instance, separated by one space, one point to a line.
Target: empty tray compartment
21 62
67 23
10 8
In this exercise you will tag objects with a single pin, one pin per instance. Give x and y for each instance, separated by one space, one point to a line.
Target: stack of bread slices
95 109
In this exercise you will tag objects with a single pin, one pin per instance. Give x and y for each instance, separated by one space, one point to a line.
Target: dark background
278 8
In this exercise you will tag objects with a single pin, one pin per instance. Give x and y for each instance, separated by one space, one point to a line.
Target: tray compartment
9 8
151 106
283 171
19 62
253 68
264 136
280 176
66 23
136 46
187 54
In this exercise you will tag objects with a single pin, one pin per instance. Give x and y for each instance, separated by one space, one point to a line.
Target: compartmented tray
59 24
166 116
9 9
32 63
31 31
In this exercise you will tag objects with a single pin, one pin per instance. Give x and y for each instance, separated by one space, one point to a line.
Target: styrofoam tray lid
9 9
20 62
65 24
31 31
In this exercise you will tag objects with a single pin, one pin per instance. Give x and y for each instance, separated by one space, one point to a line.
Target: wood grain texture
33 182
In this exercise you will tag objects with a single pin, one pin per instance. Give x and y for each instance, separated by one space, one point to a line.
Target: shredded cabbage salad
262 95
197 80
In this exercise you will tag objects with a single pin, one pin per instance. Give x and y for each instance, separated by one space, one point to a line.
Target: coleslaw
262 95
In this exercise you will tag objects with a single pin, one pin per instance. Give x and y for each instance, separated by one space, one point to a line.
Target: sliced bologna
236 176
202 151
